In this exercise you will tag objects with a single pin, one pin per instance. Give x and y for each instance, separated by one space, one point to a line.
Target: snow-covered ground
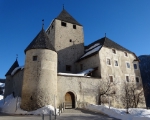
11 105
1 97
134 113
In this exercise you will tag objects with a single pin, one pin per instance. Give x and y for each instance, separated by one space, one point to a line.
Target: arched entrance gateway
69 100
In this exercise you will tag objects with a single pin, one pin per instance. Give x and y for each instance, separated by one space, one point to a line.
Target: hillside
145 74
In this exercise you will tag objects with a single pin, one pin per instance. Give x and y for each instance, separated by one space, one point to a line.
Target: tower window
125 53
127 78
68 67
34 58
74 26
70 40
137 79
52 27
114 51
111 78
63 24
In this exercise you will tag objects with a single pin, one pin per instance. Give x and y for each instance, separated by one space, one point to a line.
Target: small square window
68 67
114 51
108 61
111 78
137 79
125 53
63 24
34 58
116 63
135 66
127 78
74 26
128 65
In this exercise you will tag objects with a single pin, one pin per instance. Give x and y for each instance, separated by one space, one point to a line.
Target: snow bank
11 105
135 113
1 97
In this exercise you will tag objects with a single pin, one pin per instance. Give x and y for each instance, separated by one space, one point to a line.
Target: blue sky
126 22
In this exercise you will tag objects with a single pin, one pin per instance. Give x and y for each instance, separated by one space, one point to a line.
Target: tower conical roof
15 64
65 16
41 41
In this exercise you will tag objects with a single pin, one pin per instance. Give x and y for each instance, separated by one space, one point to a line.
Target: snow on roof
81 74
17 68
95 45
2 84
92 51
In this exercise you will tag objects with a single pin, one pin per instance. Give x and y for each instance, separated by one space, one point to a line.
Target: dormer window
74 26
125 53
63 24
114 51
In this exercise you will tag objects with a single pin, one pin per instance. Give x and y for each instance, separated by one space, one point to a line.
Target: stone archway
69 100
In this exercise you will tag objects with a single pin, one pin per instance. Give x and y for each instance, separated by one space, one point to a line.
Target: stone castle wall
39 80
85 89
68 42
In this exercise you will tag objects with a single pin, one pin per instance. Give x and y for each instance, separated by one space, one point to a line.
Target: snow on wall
81 74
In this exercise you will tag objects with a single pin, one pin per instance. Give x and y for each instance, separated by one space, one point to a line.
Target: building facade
60 69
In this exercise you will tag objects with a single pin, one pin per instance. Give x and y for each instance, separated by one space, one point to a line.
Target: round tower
40 74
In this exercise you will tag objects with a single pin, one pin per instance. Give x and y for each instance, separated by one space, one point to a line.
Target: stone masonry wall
69 44
39 80
85 89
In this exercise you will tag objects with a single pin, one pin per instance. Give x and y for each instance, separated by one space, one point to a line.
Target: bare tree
106 89
131 96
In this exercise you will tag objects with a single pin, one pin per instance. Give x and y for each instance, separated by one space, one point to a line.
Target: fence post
50 115
42 116
55 113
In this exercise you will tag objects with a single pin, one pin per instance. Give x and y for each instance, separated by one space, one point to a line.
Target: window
111 78
68 68
70 40
81 66
108 61
114 51
34 58
127 78
74 26
125 53
128 65
135 66
137 79
116 63
63 24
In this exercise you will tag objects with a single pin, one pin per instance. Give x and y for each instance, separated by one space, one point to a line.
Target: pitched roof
15 64
99 44
41 41
65 16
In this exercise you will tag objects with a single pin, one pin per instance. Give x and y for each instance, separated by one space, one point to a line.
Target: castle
60 69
